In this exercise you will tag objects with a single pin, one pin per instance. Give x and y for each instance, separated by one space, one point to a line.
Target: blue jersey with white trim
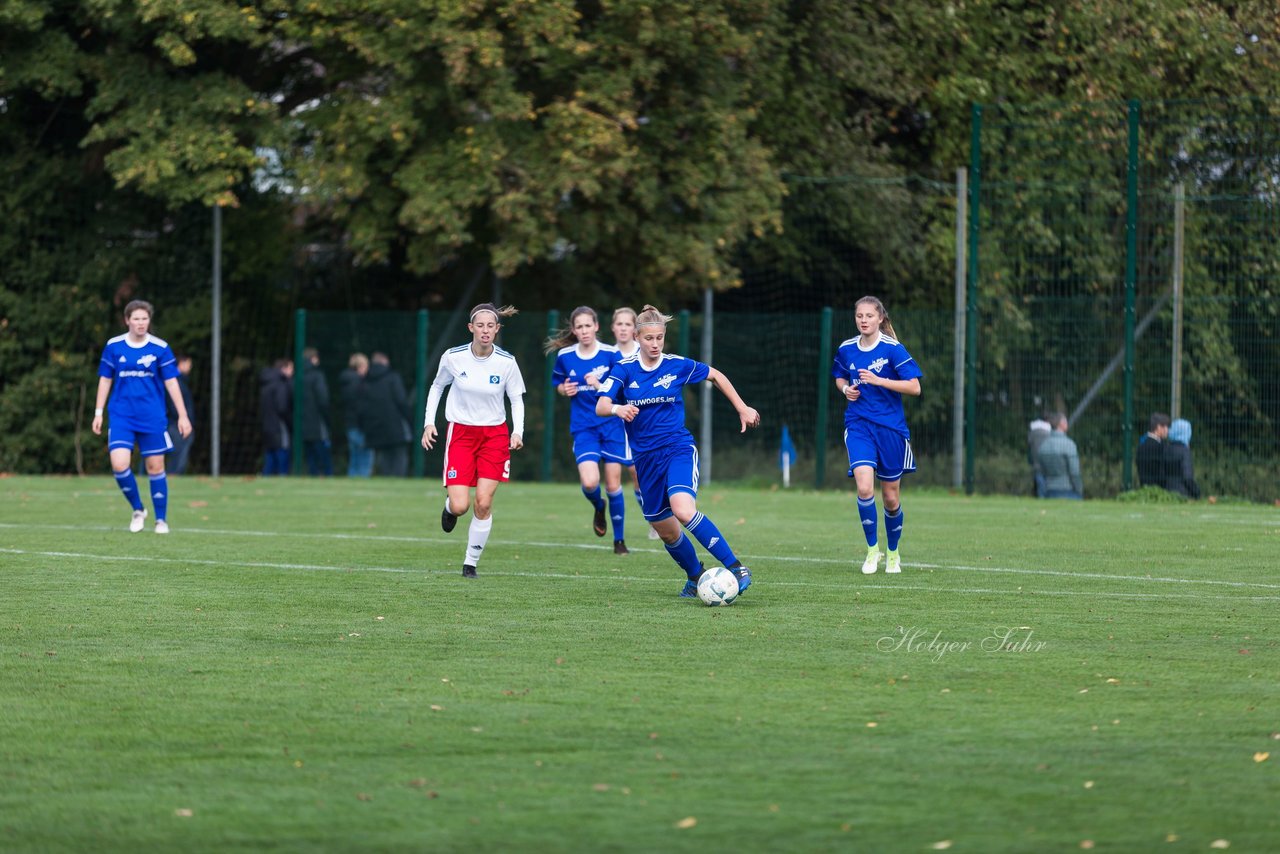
572 365
138 374
658 394
887 359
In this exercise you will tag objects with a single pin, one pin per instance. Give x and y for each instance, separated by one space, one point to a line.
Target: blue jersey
138 375
887 359
571 365
658 393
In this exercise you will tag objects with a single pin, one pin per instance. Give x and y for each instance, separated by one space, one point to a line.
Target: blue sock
706 532
893 528
617 512
160 494
593 495
686 555
640 498
867 512
129 486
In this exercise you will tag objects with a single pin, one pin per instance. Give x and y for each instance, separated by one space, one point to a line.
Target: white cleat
893 563
872 562
136 523
162 527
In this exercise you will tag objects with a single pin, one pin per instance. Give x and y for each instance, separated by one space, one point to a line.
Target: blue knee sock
617 512
593 495
640 498
867 513
160 494
706 532
893 528
129 486
683 553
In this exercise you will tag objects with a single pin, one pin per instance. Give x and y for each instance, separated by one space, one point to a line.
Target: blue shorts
887 451
663 473
150 444
605 442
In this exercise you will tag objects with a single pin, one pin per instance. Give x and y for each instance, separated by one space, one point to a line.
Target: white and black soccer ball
718 586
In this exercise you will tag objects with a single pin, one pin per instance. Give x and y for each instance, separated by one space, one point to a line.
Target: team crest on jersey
451 474
665 382
494 379
877 365
146 360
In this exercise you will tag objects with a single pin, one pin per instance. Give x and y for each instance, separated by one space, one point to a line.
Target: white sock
477 536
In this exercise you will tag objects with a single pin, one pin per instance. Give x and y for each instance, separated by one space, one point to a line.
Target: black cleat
468 571
598 522
447 520
620 548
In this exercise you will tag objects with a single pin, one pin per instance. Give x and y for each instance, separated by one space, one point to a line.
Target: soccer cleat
892 562
598 522
653 533
136 522
467 570
690 590
620 548
448 520
744 577
872 562
162 527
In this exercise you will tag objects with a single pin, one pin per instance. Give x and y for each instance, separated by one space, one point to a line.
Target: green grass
300 666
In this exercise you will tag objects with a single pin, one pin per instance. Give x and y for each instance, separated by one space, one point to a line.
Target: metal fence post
299 368
549 401
1130 290
824 396
971 322
957 362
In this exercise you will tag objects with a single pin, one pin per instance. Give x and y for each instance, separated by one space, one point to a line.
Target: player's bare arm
911 386
746 414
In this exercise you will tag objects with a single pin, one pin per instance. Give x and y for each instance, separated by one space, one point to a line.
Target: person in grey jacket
1060 462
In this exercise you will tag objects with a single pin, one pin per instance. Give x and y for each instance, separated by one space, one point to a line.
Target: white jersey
478 388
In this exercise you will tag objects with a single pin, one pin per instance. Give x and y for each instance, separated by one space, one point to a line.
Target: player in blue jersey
141 368
624 339
873 372
647 392
599 444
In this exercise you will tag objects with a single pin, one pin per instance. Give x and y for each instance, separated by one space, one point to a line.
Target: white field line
854 584
748 558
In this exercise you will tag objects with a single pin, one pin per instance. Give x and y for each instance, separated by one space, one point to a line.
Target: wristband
613 410
97 413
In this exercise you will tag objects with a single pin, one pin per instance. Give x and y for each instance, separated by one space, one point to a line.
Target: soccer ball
718 586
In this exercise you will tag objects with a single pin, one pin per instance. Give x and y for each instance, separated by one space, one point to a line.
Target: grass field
300 666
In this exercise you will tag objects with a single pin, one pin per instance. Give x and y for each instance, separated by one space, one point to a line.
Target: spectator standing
1151 451
386 417
1179 473
351 382
177 462
276 404
316 438
1060 461
1037 431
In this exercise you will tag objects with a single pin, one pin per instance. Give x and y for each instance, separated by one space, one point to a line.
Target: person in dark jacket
1151 451
276 403
177 462
351 385
386 417
1179 473
315 415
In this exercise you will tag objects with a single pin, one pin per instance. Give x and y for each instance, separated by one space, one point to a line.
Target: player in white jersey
477 450
873 372
599 444
142 368
650 387
624 339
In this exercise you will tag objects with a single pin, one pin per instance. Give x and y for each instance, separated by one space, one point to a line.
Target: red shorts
471 453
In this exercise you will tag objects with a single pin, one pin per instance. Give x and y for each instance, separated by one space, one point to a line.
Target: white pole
957 384
215 355
704 450
1179 212
786 471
